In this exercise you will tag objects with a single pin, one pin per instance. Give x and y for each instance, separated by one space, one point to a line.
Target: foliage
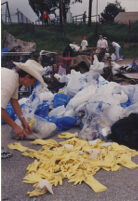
111 11
47 5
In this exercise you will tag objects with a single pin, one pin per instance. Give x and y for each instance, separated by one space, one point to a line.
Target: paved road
122 185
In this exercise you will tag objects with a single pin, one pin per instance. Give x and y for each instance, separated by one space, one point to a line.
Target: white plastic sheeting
102 102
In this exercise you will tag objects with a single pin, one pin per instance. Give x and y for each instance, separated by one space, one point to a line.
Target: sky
76 9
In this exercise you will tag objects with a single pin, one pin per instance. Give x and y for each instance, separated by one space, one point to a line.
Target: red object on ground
65 61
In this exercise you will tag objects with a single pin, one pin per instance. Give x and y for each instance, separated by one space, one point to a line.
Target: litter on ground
75 159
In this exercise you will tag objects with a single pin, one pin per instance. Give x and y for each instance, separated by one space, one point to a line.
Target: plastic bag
42 130
63 123
9 109
57 112
42 109
76 83
60 99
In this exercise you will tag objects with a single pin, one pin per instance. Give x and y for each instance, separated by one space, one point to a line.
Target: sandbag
40 130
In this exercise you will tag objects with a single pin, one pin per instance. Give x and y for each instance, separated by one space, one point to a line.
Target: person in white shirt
101 43
52 18
105 39
101 47
84 43
24 74
117 49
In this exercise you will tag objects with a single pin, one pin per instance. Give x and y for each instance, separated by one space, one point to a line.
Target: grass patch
55 38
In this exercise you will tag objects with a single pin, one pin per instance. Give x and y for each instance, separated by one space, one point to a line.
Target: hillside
56 37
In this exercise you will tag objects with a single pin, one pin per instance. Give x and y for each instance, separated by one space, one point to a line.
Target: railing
79 18
21 18
8 18
5 14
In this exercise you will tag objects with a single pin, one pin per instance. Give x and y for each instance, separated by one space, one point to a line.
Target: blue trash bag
126 104
60 99
9 109
42 109
5 50
133 64
63 123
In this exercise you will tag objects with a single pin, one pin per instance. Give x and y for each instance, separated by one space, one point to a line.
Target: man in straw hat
24 74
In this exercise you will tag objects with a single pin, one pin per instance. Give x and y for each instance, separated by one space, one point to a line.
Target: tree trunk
90 12
60 11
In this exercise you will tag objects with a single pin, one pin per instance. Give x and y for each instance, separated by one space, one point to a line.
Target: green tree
111 11
39 6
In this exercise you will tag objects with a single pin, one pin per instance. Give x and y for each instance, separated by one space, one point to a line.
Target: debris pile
85 100
74 159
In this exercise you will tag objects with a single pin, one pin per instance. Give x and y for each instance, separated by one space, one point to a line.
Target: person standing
84 43
25 74
52 18
84 17
101 47
46 18
117 49
105 38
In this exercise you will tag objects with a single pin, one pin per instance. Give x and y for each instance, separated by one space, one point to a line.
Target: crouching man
24 74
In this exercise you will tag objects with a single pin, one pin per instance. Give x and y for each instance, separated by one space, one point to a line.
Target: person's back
117 49
9 85
115 44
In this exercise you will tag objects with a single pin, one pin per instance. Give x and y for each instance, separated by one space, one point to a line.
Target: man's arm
17 129
6 118
18 110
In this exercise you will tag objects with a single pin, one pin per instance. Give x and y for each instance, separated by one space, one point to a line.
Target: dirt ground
122 185
127 61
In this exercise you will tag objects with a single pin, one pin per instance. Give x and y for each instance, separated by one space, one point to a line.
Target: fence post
18 16
22 17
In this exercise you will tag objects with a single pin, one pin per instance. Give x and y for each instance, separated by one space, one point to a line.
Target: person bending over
25 74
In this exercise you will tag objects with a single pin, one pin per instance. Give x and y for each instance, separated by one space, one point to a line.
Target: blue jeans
117 52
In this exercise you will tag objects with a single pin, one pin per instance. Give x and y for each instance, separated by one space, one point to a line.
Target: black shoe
6 154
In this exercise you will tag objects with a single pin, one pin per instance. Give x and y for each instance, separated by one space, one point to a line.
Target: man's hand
21 133
18 111
26 126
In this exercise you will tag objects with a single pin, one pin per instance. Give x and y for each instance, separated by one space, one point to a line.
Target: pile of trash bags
87 101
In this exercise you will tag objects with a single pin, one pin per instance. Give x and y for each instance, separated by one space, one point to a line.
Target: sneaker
6 154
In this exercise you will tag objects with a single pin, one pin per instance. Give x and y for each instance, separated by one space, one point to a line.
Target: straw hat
33 68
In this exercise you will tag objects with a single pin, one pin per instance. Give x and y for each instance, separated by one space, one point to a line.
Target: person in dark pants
46 18
84 17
